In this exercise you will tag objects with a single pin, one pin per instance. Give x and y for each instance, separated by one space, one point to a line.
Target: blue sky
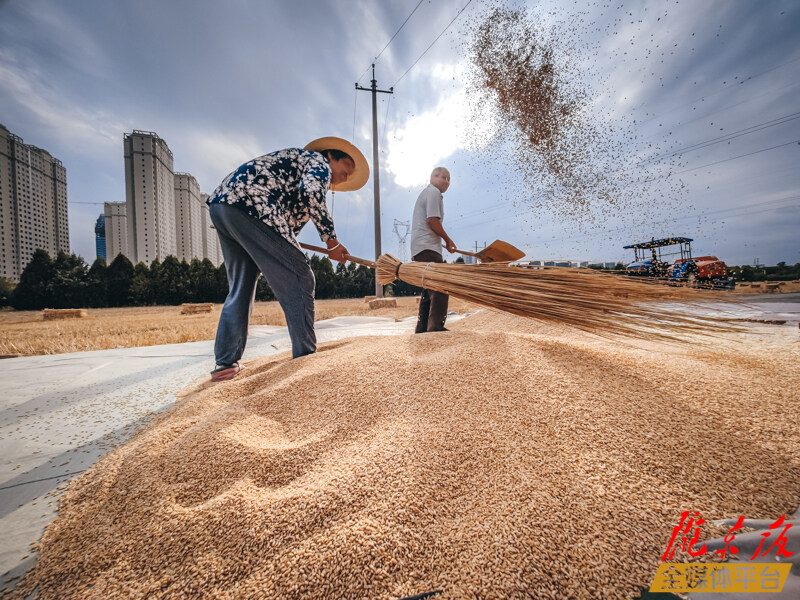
709 89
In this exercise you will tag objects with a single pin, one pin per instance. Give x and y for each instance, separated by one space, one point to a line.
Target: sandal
225 372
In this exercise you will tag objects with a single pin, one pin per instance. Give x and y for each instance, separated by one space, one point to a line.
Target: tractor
703 271
655 265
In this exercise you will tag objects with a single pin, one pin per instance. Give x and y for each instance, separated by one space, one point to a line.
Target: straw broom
599 303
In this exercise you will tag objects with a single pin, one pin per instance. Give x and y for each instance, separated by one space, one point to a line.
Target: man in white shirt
427 235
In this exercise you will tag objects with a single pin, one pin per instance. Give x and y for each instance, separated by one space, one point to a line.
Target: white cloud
28 98
210 155
426 140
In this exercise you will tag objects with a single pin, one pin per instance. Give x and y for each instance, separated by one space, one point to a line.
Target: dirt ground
25 333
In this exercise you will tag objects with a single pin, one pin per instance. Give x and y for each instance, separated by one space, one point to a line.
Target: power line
728 137
480 211
734 158
432 43
390 41
711 141
671 173
503 205
721 110
712 94
718 214
621 228
398 31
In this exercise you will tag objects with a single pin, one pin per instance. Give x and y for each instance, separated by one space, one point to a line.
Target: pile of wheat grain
502 459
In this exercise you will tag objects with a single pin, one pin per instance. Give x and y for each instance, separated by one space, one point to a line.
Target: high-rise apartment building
33 204
188 218
116 218
211 247
150 197
100 237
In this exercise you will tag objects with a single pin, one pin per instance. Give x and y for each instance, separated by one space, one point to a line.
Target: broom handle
467 252
351 258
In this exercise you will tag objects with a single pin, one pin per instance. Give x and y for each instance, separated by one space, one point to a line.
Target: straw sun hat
359 176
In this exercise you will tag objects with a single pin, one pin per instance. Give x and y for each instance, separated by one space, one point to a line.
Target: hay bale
196 309
383 303
51 314
368 298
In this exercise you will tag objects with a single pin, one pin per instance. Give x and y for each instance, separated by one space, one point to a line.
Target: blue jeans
250 248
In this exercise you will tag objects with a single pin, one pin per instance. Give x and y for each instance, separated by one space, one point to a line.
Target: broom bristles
592 301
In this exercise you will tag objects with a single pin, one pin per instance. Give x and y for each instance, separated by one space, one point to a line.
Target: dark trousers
251 248
432 305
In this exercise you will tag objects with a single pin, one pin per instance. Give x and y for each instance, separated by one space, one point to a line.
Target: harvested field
24 333
761 287
502 459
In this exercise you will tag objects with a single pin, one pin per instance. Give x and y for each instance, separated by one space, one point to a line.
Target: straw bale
52 314
368 298
383 303
506 458
196 309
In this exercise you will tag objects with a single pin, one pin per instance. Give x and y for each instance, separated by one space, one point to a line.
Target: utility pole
375 167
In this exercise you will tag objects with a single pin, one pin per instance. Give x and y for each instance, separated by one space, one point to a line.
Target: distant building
100 237
149 197
211 248
188 218
33 204
116 226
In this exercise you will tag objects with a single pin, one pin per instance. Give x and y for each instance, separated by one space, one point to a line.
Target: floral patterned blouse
284 189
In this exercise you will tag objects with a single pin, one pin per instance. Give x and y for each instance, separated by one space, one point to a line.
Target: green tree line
780 272
66 281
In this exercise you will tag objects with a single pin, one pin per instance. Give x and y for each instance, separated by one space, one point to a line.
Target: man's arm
435 223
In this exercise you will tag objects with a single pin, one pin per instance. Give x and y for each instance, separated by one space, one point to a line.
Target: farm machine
701 271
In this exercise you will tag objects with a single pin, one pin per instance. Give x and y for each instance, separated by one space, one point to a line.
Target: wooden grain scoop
497 251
